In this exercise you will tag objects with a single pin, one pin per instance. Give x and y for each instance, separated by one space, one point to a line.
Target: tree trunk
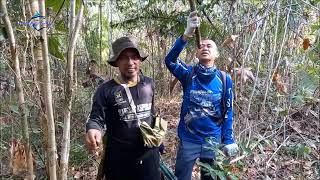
37 74
71 24
24 52
52 149
69 94
19 86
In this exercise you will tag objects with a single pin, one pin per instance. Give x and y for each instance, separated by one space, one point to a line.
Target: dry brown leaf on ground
306 43
276 78
3 120
18 157
282 88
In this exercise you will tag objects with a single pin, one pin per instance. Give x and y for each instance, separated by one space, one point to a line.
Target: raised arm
175 65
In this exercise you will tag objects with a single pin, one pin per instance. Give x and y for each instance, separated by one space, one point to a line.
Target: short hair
215 46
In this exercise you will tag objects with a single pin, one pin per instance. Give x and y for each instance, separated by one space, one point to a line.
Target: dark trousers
187 154
202 172
126 165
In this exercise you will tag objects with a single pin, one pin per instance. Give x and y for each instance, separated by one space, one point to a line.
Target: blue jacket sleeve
227 131
96 118
177 67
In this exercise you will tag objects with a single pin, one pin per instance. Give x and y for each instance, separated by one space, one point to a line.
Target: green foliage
55 47
300 151
282 112
56 4
222 166
78 153
3 33
61 28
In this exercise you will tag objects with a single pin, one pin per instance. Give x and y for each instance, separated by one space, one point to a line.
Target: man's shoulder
106 85
110 82
147 79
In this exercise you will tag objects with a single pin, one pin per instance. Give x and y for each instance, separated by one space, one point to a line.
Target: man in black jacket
126 156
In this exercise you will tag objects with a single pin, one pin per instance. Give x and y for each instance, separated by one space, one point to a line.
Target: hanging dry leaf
276 78
235 170
18 158
3 120
178 6
230 41
281 88
245 74
77 175
252 27
306 43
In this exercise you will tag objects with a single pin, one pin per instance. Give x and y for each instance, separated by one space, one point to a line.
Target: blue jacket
201 106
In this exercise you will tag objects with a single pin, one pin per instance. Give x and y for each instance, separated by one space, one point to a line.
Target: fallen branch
237 159
277 149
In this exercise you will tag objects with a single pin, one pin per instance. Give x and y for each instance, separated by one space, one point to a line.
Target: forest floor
294 157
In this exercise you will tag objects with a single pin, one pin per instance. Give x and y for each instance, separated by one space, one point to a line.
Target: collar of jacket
118 79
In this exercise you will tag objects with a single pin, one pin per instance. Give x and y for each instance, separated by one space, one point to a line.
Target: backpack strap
223 77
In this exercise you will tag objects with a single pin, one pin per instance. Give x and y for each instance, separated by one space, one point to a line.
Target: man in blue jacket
200 126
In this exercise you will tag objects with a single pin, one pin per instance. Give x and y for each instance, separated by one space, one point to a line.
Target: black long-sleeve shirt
111 108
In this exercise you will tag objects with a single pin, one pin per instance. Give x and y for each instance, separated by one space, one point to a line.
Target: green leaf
59 26
221 153
245 149
3 146
60 124
205 165
226 161
284 113
54 48
281 111
220 174
233 177
55 4
3 34
36 130
14 108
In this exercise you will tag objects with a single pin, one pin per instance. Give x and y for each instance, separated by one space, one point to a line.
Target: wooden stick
197 31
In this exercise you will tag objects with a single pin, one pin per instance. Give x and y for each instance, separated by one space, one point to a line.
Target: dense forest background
50 52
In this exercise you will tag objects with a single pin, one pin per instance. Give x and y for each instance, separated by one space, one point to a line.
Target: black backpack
223 77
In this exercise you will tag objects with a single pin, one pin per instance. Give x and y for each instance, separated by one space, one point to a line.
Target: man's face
128 63
208 52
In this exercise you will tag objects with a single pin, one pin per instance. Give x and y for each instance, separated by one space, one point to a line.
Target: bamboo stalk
47 96
69 93
19 87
